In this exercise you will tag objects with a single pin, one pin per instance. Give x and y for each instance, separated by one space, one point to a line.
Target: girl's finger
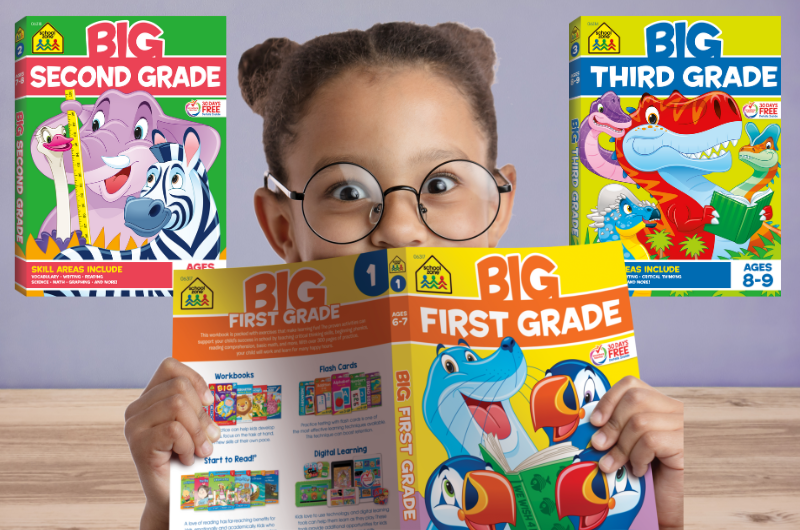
605 407
667 446
636 400
177 408
170 369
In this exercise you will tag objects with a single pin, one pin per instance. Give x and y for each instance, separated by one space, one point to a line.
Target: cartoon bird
596 500
53 144
563 400
464 492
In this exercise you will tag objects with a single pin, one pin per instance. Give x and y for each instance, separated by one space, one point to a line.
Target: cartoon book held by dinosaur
534 480
105 109
674 131
739 219
469 406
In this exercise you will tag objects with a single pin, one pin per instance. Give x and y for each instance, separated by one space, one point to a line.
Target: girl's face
399 124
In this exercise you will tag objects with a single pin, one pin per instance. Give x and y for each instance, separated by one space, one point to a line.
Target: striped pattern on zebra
175 203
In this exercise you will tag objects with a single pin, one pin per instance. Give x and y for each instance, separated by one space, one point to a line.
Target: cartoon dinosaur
467 396
115 143
761 155
605 116
620 216
672 144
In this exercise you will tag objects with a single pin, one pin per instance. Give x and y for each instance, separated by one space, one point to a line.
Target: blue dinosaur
619 216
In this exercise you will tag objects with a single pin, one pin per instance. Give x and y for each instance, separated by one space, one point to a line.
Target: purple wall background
683 342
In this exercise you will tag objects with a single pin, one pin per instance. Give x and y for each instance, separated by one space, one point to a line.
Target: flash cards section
305 444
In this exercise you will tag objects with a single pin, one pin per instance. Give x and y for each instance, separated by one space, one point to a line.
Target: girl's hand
168 418
641 425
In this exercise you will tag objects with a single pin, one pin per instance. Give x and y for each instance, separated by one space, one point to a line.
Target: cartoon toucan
596 500
563 400
464 492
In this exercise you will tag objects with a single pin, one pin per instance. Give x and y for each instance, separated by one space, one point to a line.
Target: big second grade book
119 153
674 150
483 367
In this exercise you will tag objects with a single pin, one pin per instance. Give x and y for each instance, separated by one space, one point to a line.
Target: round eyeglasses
343 202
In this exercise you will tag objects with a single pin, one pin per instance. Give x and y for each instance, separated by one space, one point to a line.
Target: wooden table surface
64 462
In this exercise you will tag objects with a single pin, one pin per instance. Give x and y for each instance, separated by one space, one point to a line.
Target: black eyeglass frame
272 184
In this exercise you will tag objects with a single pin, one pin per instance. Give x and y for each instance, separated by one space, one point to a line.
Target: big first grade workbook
675 148
413 389
119 153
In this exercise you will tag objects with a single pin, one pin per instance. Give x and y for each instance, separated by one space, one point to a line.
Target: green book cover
534 482
358 391
739 218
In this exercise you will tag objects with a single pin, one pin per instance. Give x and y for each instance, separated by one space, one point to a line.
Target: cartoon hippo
467 396
115 144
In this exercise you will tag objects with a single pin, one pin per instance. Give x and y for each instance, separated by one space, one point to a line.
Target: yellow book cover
674 130
507 347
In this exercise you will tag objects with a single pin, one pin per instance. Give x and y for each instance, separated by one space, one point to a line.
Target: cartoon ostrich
53 143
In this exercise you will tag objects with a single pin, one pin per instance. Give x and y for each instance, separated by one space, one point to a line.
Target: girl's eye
349 192
652 115
98 120
471 357
177 180
627 208
439 184
140 131
600 108
449 364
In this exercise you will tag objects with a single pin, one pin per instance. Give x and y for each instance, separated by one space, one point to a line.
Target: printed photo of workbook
476 372
674 132
104 108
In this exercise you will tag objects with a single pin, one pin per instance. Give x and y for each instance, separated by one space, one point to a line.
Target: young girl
379 139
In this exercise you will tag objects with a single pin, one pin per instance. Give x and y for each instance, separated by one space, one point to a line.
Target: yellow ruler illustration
77 170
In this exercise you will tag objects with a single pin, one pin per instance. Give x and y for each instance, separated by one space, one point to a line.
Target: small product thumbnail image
340 394
342 483
228 490
244 403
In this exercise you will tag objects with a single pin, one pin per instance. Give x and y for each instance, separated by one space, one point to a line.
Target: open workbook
424 388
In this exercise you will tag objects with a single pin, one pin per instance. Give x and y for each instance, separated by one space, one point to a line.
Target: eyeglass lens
458 201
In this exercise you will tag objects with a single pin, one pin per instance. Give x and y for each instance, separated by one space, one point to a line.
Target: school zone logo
197 296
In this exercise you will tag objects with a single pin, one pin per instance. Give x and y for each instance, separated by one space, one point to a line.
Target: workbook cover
493 361
675 148
119 154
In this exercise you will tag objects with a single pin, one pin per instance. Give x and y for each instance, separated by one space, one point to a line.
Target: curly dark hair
278 77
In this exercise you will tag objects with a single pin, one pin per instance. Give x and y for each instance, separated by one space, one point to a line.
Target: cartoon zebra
175 201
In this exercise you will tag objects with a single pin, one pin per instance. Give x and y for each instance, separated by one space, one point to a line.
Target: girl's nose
401 225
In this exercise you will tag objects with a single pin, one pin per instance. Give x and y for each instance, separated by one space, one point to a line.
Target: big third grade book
674 150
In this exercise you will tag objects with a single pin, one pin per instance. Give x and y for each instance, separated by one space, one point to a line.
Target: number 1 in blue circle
398 283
